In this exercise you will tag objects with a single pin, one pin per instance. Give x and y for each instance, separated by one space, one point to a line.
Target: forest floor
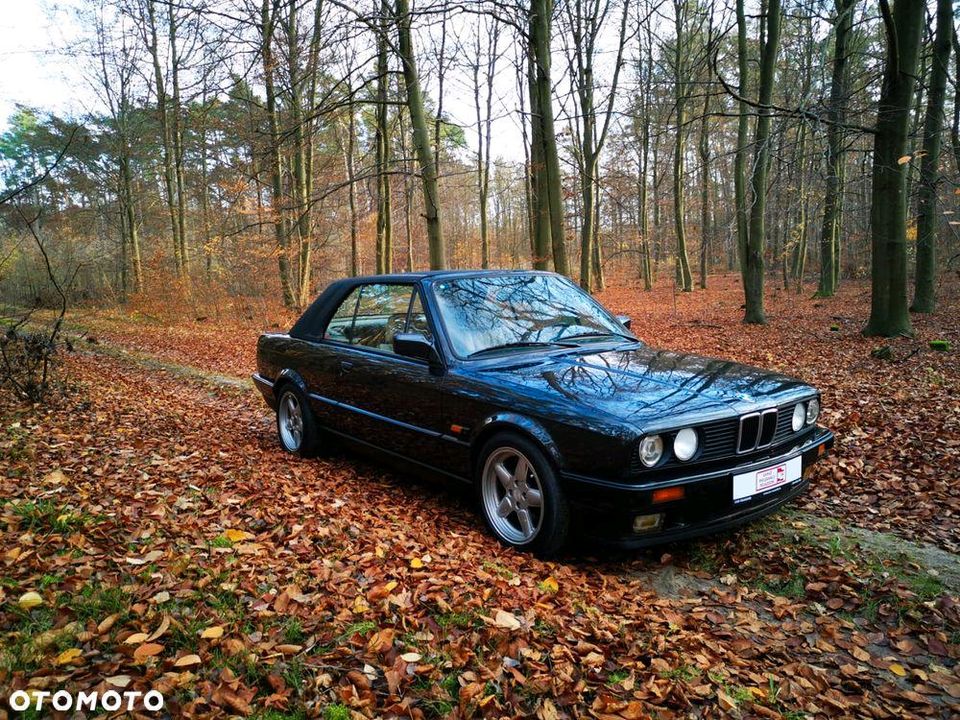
153 534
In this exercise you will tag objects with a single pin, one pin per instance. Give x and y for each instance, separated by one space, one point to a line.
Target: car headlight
813 411
651 450
685 444
799 416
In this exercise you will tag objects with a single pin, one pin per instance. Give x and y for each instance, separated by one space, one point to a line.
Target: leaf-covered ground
153 535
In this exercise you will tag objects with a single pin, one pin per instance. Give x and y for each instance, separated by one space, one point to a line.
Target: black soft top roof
315 317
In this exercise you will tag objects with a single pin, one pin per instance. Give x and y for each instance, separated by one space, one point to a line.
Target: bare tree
421 136
585 20
484 114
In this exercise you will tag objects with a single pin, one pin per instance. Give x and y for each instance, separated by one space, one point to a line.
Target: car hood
648 388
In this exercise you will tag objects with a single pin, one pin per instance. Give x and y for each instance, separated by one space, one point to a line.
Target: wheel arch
286 377
521 425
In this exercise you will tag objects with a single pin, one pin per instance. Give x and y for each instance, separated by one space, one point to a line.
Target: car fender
292 376
516 422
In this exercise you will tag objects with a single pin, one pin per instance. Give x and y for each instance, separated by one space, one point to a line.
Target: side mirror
624 320
415 345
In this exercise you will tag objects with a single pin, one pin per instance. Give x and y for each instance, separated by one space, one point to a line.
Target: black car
522 385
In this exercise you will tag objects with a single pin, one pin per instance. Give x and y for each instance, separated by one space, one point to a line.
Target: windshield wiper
521 344
581 336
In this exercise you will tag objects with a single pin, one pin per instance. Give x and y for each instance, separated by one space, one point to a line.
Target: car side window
417 322
341 324
381 314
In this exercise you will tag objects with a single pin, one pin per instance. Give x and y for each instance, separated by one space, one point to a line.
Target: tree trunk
204 189
924 299
955 126
524 76
539 198
703 147
889 315
421 138
799 251
484 127
268 17
836 113
740 159
599 282
384 249
548 182
756 241
131 220
178 150
350 163
684 277
165 134
407 191
642 212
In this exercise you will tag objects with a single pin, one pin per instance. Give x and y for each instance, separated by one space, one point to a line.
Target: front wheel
296 426
520 498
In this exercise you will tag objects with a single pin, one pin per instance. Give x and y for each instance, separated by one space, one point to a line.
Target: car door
319 357
389 401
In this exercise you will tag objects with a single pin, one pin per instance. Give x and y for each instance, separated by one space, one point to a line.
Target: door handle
345 366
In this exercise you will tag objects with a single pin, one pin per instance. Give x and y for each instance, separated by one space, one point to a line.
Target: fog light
647 523
799 416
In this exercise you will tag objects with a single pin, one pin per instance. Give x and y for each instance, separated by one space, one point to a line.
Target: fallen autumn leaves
173 546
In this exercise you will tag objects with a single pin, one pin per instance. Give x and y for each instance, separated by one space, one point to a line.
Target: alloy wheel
512 495
290 417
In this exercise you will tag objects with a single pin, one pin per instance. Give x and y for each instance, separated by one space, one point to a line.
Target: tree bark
740 159
836 112
268 12
349 158
548 182
178 149
955 125
484 128
301 202
889 315
131 220
539 196
924 296
684 277
165 134
384 242
421 137
756 241
703 150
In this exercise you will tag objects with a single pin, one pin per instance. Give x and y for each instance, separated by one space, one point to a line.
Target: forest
262 149
772 183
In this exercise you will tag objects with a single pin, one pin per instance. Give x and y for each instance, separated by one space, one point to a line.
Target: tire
296 427
530 514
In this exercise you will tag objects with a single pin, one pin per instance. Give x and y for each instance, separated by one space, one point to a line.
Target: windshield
490 312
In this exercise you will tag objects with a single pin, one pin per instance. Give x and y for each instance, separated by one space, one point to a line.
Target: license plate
757 482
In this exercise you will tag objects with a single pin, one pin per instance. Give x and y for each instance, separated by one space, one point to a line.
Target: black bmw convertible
522 385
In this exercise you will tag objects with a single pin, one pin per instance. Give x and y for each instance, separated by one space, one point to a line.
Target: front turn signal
668 494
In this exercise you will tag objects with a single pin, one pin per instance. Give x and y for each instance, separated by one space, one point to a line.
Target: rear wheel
296 426
520 498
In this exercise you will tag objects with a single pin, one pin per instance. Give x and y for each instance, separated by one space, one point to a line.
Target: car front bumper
606 510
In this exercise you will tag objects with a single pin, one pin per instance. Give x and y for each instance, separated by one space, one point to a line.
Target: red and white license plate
756 482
